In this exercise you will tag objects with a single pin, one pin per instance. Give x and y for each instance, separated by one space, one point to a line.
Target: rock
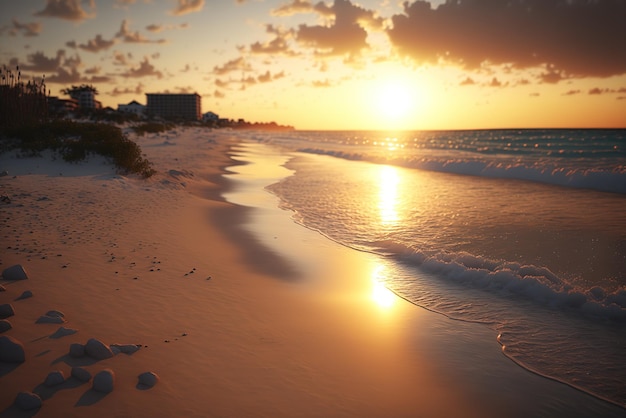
25 295
54 378
55 314
148 379
63 332
5 325
15 272
6 310
45 319
125 348
77 350
98 350
103 381
11 350
81 374
2 288
27 401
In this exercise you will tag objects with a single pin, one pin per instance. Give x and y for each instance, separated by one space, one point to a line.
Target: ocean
521 230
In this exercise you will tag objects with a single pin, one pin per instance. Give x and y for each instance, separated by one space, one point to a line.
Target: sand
170 301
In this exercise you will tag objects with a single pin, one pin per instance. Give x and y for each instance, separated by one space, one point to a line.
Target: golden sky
342 64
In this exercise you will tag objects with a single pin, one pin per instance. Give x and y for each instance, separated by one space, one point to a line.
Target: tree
75 91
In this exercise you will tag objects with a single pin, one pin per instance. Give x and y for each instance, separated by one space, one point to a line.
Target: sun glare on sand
382 296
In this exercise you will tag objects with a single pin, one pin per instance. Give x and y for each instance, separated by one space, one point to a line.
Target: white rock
77 350
54 378
11 350
81 374
125 348
6 310
27 401
103 381
97 349
5 325
148 379
16 272
45 319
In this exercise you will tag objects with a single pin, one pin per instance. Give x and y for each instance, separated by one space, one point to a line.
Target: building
132 107
174 106
210 117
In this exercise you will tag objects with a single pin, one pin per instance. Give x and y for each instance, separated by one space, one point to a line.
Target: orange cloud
187 6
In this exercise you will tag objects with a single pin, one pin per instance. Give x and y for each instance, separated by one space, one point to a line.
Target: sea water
522 230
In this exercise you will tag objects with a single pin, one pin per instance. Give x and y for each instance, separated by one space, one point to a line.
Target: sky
342 64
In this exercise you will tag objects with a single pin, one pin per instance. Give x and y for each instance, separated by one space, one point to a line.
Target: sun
394 100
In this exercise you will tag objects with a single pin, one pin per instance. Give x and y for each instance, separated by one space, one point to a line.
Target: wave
511 279
605 180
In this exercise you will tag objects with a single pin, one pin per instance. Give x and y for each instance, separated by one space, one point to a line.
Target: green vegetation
75 141
25 125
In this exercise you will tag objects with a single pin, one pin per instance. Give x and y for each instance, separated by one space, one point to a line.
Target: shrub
75 141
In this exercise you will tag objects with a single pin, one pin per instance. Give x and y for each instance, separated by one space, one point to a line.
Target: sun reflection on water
389 180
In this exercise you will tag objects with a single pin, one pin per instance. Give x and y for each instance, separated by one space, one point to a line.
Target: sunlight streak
382 296
388 194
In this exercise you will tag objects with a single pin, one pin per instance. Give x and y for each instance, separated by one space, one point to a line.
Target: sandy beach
239 311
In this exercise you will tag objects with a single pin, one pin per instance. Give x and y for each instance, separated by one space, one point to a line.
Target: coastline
170 264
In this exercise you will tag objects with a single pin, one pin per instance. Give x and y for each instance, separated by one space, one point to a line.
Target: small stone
11 350
2 288
25 295
77 350
6 310
81 374
98 350
148 379
15 272
5 325
103 381
27 401
54 378
124 348
45 319
55 314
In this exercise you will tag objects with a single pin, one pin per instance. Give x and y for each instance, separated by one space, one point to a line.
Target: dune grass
75 141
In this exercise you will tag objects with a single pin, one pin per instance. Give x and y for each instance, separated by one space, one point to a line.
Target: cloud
578 38
237 64
218 94
295 7
187 6
66 9
139 89
40 63
94 45
467 82
321 83
571 93
145 69
27 29
346 34
278 45
93 70
129 36
119 58
156 28
265 78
